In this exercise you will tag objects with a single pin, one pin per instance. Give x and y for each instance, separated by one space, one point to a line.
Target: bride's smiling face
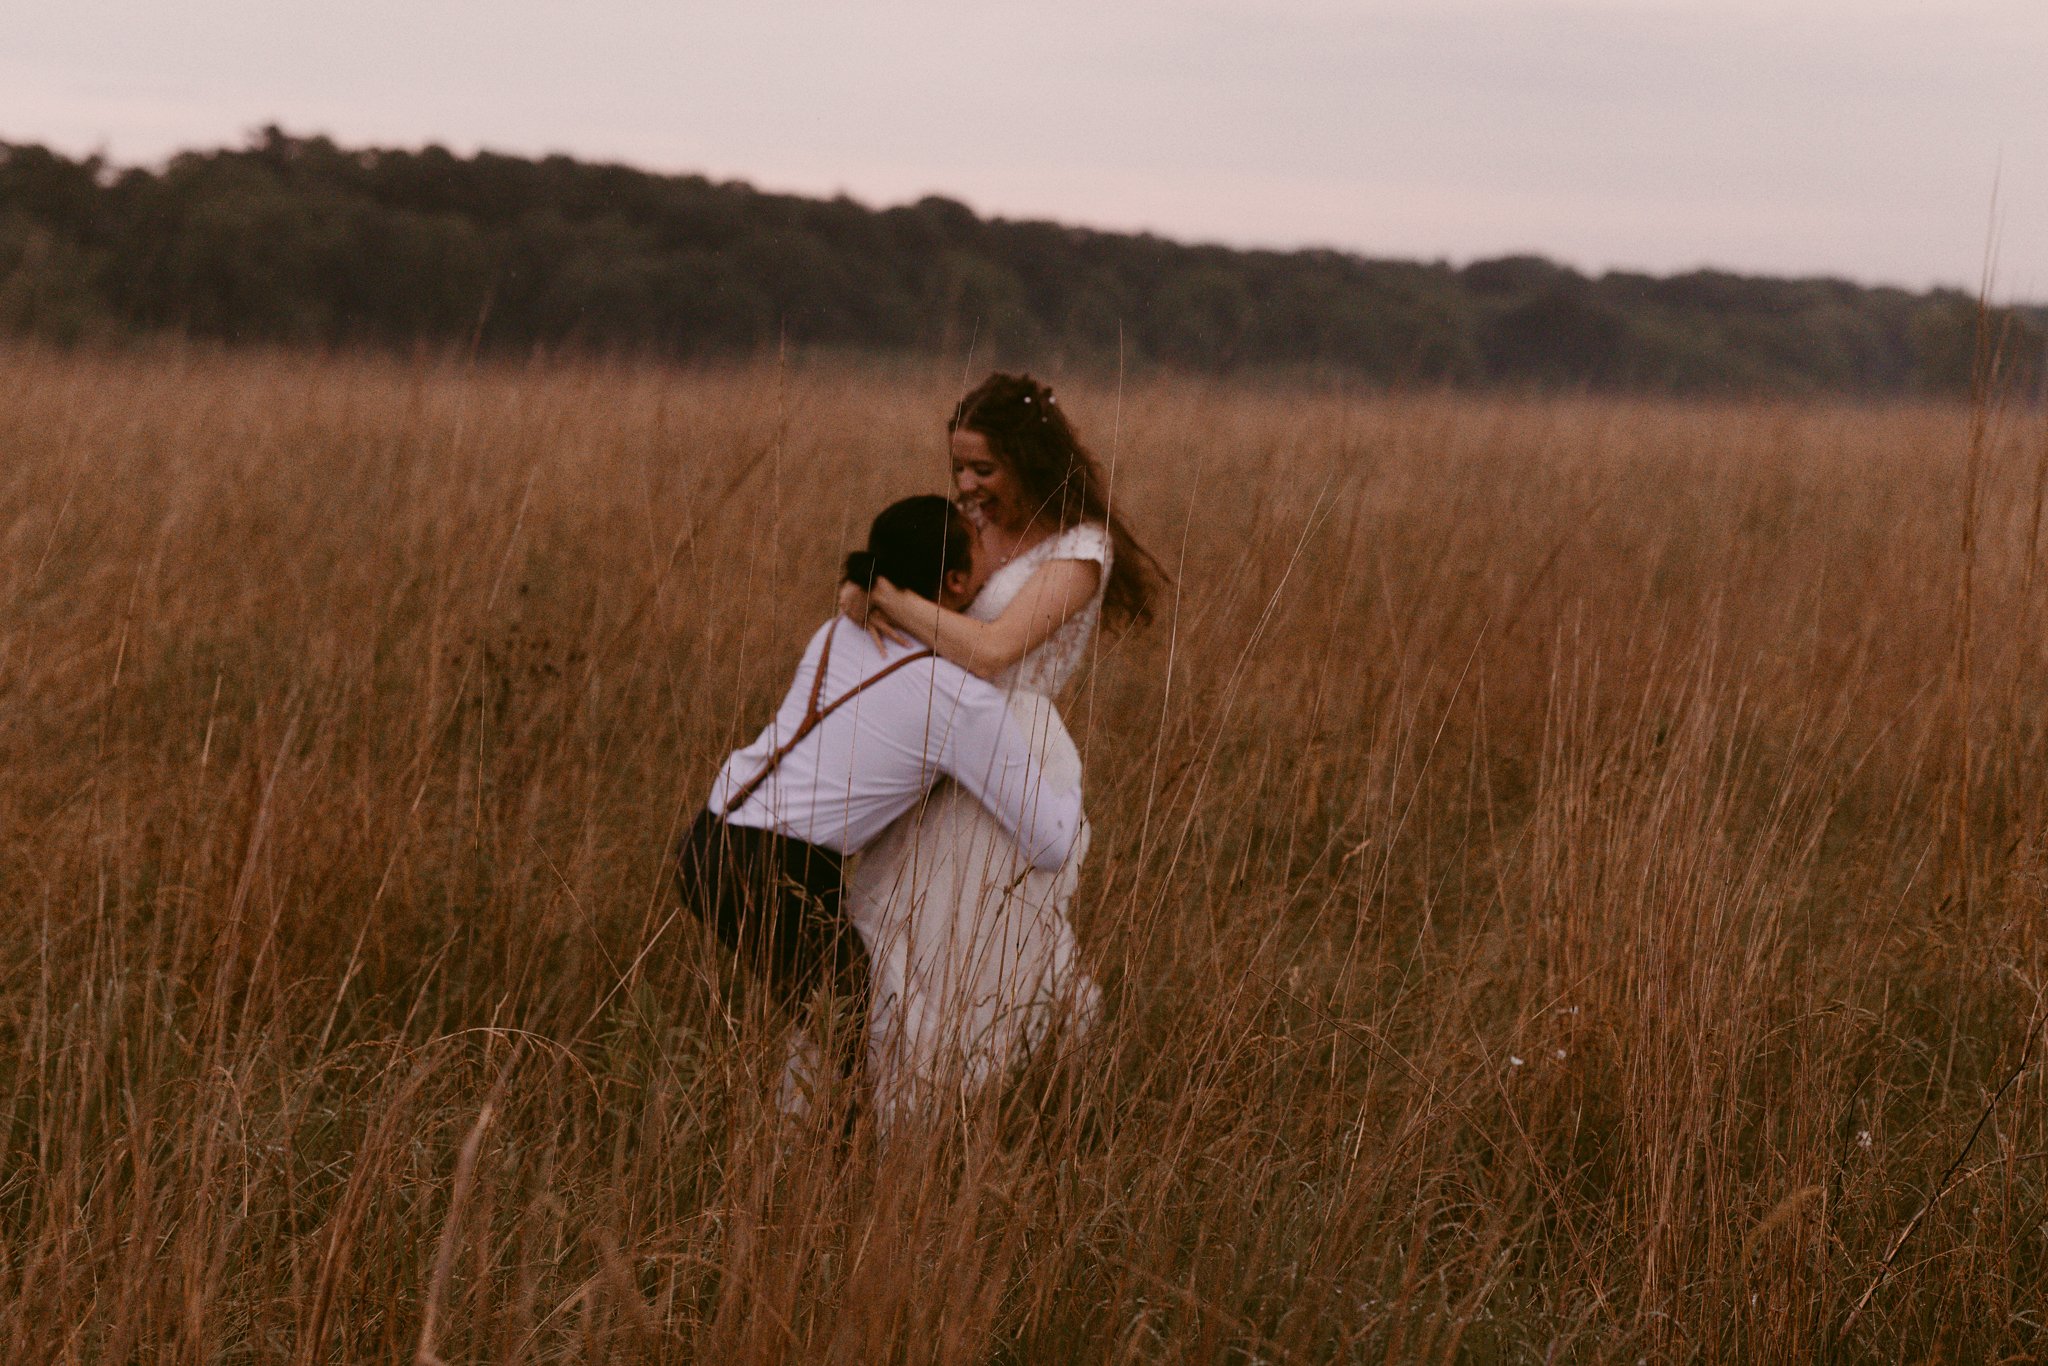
987 488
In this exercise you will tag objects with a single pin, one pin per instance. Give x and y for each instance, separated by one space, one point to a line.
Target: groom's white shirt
874 758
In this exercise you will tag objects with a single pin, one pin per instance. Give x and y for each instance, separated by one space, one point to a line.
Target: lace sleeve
1084 541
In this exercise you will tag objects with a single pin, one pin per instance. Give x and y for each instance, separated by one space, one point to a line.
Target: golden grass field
1569 881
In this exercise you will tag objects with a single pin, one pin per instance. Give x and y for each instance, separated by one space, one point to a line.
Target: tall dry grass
1558 900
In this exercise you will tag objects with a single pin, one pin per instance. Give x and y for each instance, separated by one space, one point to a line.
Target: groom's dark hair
914 544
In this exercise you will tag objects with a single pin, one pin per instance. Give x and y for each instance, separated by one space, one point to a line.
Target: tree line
297 240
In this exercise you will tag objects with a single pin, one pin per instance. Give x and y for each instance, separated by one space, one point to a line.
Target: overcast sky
1850 137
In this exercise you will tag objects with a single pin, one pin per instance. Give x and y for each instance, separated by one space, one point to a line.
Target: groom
862 734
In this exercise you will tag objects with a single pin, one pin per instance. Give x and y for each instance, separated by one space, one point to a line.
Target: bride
973 958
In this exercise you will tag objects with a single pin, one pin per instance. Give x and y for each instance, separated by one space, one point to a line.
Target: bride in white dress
973 959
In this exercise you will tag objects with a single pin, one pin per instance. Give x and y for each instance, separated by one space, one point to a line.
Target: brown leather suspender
813 714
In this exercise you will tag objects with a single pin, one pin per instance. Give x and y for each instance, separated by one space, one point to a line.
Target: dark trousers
774 901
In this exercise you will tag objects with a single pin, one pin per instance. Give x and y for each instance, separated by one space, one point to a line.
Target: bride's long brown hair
1025 429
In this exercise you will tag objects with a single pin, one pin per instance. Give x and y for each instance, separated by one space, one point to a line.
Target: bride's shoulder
1081 541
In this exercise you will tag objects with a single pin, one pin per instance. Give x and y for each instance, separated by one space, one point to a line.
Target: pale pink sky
1802 136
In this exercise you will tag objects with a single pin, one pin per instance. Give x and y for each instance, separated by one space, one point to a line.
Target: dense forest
297 240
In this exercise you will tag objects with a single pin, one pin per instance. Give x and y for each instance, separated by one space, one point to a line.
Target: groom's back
867 761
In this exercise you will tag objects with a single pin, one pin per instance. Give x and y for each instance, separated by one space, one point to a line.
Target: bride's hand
911 613
861 610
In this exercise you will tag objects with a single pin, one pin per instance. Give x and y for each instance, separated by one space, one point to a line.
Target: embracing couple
907 832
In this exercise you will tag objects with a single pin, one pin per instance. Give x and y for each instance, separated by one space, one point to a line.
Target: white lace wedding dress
974 961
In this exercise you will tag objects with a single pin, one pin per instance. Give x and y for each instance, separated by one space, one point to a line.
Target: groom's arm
986 751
